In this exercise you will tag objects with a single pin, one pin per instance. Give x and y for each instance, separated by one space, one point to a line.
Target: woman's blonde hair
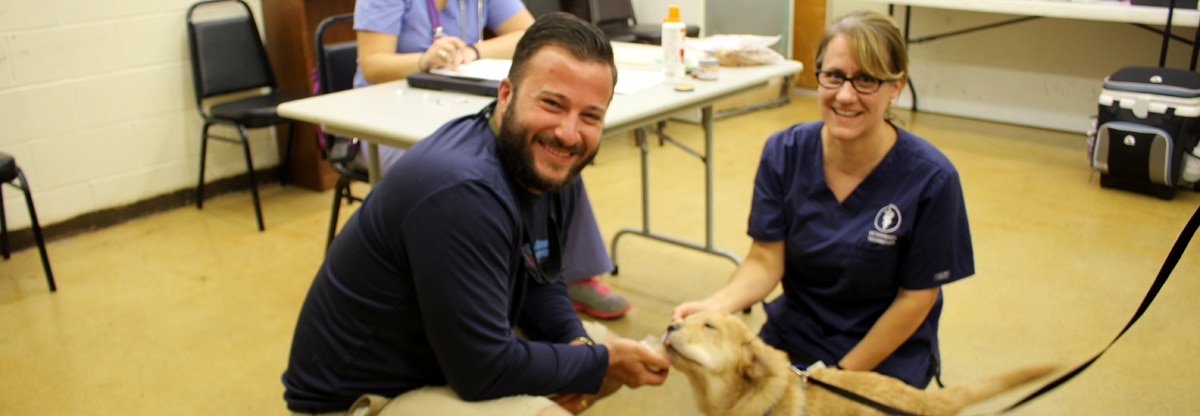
878 46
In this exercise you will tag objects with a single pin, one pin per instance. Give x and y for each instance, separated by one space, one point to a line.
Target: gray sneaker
592 298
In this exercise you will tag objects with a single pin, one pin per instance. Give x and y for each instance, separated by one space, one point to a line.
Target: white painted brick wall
1044 73
96 105
96 98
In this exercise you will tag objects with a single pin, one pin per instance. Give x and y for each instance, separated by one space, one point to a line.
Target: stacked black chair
336 65
228 58
616 19
9 172
540 7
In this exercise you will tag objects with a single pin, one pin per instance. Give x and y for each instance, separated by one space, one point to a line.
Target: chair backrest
227 51
336 62
606 13
336 65
579 8
540 7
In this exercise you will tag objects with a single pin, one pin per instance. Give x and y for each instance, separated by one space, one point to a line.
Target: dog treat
655 344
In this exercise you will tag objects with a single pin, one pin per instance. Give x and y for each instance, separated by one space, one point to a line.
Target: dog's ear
756 365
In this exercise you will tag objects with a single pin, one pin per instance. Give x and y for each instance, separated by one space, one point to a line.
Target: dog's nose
672 327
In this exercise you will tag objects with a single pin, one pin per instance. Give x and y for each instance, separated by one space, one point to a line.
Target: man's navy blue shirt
426 281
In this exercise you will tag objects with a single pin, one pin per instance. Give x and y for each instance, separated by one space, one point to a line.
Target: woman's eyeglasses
864 84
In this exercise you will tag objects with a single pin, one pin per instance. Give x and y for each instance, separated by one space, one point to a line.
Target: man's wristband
585 340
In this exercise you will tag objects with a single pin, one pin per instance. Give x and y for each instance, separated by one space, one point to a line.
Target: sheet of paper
489 69
629 80
636 58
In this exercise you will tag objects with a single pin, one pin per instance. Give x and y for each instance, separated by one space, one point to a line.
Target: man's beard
517 155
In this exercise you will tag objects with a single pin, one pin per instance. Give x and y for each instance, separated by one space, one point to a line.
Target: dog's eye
710 326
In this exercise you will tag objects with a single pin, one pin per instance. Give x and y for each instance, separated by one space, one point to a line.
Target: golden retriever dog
733 372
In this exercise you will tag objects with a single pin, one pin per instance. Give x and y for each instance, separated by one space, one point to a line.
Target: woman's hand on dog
688 308
634 364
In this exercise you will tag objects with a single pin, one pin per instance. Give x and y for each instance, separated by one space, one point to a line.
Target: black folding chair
9 172
228 58
617 20
336 65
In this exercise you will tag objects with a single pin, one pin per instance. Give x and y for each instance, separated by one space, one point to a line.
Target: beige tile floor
190 312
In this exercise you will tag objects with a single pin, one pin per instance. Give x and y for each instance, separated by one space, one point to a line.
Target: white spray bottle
673 32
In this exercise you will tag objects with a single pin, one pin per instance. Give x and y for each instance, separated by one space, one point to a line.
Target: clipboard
475 86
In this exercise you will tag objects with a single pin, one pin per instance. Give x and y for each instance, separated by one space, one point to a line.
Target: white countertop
1102 10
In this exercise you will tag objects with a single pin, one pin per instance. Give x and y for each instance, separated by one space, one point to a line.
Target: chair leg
659 130
253 180
37 231
339 191
203 154
287 154
3 226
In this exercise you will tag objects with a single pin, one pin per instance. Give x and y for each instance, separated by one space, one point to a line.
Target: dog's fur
733 372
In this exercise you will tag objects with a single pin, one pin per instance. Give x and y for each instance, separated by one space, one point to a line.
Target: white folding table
393 114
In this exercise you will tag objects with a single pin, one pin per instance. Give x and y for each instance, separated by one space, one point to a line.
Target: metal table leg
706 116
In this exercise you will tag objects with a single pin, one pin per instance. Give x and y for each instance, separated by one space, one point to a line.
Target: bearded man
443 292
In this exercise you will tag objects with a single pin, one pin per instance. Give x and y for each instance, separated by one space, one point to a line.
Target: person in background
443 295
860 220
401 37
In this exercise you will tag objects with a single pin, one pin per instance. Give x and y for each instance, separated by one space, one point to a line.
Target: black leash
849 394
1168 266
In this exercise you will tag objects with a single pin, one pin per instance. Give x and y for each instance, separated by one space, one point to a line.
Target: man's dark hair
581 39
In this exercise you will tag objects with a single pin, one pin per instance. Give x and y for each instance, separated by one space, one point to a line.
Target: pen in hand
447 52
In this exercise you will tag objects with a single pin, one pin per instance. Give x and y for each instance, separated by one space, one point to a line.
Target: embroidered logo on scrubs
887 221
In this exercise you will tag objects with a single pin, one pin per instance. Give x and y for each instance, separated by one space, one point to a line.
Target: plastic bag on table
738 50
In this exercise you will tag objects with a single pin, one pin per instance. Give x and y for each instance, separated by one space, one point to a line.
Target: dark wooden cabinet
290 27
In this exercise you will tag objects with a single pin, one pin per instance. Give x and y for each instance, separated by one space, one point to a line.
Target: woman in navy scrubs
860 220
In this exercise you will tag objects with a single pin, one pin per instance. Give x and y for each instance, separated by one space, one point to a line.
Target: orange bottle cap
672 14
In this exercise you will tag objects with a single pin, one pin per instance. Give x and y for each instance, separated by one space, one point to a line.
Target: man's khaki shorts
441 400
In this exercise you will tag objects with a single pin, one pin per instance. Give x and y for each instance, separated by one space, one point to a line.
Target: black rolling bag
1146 131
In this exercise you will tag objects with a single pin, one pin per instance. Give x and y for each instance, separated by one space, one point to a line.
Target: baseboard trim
92 221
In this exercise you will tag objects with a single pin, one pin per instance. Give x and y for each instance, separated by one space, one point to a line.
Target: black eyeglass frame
853 81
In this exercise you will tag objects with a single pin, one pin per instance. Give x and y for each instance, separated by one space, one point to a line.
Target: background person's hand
445 52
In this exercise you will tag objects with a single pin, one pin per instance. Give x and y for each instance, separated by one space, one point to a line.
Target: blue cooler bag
1147 129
